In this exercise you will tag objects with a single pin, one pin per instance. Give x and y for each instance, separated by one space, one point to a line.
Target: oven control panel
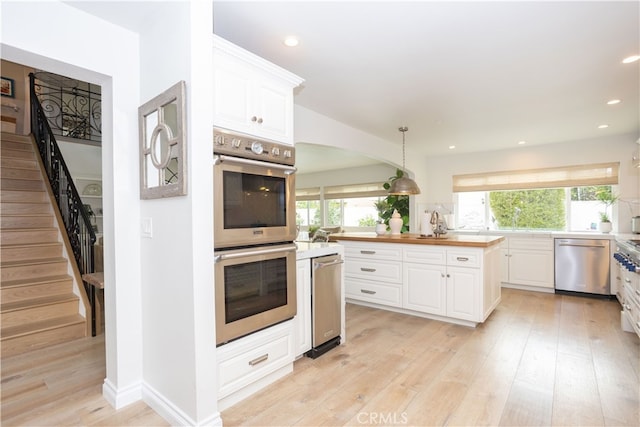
249 147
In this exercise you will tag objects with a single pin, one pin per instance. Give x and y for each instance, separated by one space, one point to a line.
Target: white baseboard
170 412
529 288
119 398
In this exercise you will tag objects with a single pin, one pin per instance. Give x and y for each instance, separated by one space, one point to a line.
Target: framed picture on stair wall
163 161
7 87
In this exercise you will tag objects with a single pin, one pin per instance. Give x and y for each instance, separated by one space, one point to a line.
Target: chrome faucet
439 225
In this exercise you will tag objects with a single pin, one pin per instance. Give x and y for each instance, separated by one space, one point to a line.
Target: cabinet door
531 267
302 323
424 288
463 293
273 111
232 101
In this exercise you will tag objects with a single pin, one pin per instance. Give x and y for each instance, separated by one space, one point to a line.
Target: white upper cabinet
252 95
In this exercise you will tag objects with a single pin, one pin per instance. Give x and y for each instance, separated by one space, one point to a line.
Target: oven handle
288 248
289 170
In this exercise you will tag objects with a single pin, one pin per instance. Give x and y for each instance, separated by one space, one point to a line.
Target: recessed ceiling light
522 142
291 41
451 147
603 126
630 59
613 102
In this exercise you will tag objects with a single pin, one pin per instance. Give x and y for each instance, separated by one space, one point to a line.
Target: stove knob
235 142
219 139
275 151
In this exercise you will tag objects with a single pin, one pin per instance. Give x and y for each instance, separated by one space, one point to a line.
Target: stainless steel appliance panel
254 191
326 298
582 265
254 288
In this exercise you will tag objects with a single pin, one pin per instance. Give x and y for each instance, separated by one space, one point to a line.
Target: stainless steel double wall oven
254 230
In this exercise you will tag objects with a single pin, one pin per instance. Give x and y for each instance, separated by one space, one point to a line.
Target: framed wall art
7 87
162 126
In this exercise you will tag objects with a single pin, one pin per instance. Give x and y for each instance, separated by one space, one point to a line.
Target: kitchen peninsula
455 278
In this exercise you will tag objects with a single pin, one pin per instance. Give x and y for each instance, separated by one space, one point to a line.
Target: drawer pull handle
368 270
366 291
627 280
462 258
260 359
368 252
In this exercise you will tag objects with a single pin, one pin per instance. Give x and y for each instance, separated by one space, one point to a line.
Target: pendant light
404 186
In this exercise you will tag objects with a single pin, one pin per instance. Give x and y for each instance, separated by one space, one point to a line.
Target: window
561 198
350 206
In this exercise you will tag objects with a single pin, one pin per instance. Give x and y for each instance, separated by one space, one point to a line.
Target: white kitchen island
454 279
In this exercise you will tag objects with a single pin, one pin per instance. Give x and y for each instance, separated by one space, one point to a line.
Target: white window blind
307 194
355 190
567 176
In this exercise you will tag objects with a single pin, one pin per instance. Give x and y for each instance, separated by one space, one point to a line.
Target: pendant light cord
403 129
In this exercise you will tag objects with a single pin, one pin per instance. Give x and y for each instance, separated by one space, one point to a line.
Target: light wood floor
540 359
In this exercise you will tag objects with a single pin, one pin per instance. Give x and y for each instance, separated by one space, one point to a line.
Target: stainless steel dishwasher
582 265
326 297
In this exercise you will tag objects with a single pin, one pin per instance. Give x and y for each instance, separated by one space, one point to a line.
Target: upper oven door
254 202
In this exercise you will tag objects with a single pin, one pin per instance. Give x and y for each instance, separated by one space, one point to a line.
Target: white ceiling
477 75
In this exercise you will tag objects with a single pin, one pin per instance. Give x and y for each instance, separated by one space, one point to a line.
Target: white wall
39 45
621 148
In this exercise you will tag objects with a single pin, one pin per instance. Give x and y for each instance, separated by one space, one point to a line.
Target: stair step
28 235
20 173
20 290
31 251
18 163
18 154
38 309
21 184
14 137
26 221
23 338
23 270
10 144
18 208
24 196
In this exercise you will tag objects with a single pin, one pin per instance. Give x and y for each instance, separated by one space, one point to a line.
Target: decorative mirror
162 123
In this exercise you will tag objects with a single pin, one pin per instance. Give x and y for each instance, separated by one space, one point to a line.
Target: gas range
628 254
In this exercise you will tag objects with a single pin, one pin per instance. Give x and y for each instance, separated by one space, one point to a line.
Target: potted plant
381 206
395 202
607 198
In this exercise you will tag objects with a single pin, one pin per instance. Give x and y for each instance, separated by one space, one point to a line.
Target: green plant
607 198
392 202
381 206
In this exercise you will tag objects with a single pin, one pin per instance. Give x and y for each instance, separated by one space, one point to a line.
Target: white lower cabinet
425 288
446 282
444 290
302 321
528 262
246 364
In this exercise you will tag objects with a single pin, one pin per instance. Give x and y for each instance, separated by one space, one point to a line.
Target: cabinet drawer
379 293
391 252
248 359
464 257
425 255
381 271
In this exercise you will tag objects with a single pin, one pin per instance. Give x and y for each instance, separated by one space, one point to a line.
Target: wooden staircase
38 307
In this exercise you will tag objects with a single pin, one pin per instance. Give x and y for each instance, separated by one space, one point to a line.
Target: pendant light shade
404 186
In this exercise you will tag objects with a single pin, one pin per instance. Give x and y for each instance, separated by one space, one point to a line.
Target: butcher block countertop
446 240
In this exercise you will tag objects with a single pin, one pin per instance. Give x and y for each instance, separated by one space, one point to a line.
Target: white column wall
179 354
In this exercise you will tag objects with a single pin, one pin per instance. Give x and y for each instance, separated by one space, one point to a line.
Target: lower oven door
254 288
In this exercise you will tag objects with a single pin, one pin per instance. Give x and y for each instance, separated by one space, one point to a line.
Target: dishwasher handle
318 265
582 246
